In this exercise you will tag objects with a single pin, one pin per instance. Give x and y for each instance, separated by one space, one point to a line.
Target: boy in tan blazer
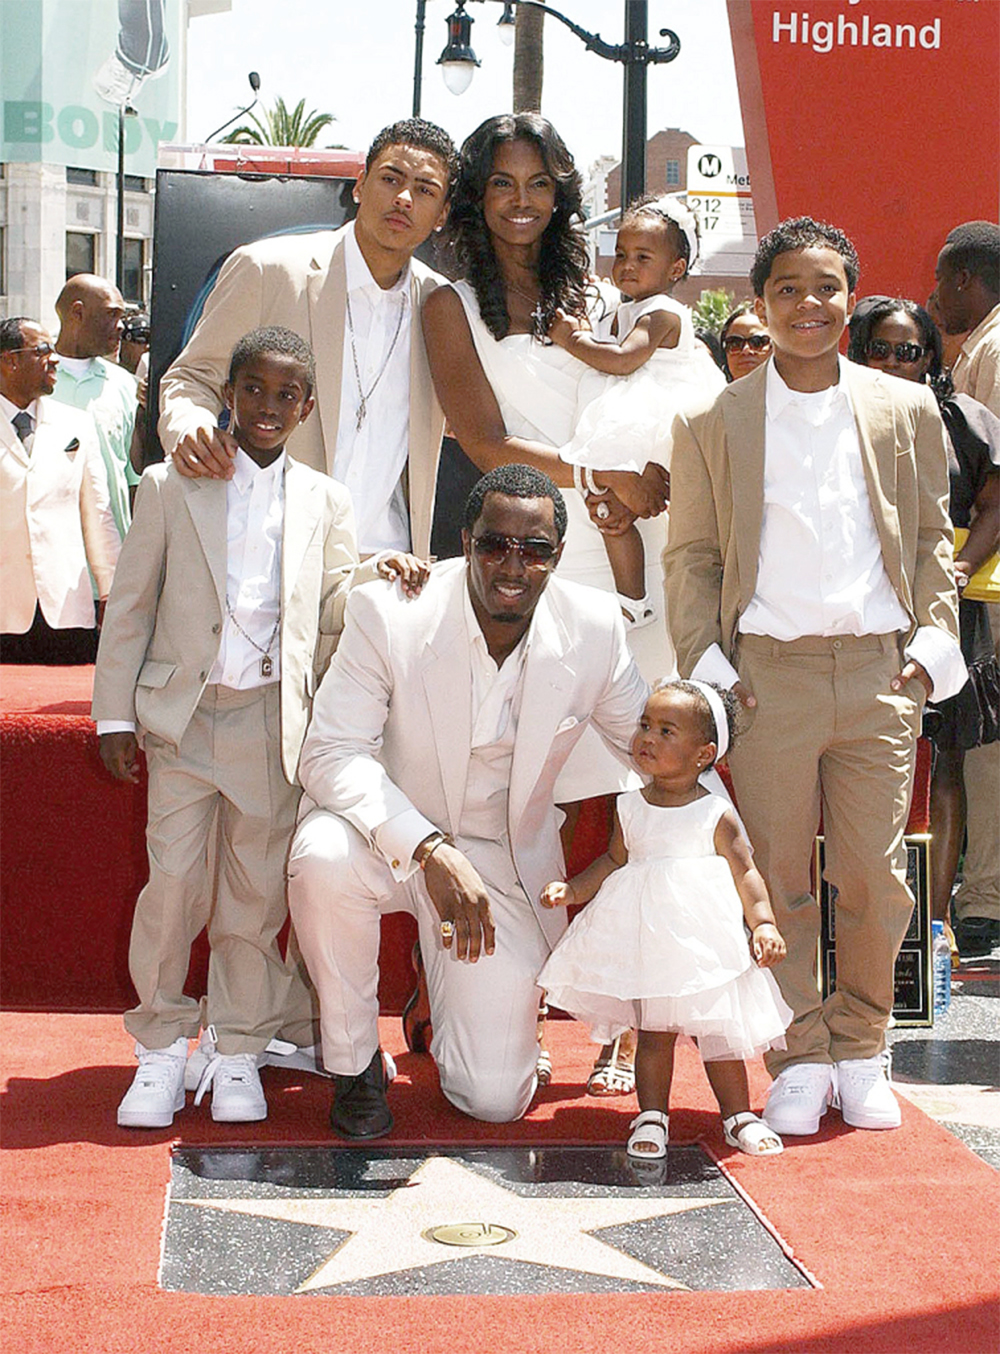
809 567
224 618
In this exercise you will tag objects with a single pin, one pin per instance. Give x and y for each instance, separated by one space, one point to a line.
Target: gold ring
447 930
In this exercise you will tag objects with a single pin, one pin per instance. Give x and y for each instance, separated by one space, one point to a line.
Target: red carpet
899 1228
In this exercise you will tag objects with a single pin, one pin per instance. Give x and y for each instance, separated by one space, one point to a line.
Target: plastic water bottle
941 963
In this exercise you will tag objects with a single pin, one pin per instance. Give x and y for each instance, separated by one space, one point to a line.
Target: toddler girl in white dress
646 365
662 945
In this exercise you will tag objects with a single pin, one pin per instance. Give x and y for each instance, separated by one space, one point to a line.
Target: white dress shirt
11 409
496 702
370 460
255 511
820 570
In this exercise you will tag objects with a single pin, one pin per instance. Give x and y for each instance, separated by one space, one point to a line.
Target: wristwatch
428 846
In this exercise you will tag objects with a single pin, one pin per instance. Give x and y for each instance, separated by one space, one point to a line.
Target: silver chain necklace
366 396
266 662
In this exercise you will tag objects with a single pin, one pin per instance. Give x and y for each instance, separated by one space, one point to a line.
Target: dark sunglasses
40 350
735 343
494 548
907 353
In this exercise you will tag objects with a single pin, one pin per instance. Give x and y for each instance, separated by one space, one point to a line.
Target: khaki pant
828 733
225 775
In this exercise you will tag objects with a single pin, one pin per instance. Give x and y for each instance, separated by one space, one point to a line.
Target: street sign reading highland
718 192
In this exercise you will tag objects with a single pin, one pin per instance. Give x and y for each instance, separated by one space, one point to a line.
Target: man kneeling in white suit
436 739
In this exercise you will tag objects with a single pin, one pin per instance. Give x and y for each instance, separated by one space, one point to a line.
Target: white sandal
751 1135
614 1075
648 1127
638 611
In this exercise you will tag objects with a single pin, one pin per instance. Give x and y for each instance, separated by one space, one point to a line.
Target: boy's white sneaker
279 1053
798 1098
237 1095
157 1090
865 1097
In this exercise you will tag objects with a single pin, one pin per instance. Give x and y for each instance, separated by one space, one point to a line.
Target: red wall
895 145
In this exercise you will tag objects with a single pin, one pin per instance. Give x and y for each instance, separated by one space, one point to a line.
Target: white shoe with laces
864 1095
799 1097
279 1053
157 1090
237 1095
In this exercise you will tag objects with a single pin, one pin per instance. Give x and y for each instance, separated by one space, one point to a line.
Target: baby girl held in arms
662 946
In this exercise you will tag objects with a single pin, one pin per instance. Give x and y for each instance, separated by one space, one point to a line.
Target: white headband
683 217
718 714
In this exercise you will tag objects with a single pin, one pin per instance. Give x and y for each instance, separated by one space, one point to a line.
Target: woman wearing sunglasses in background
745 342
900 338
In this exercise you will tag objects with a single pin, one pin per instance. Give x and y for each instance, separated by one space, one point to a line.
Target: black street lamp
458 62
125 110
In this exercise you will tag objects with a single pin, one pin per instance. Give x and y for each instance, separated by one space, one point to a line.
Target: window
132 270
673 173
81 253
86 176
134 183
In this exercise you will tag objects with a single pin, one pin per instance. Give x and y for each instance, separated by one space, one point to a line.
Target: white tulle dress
624 422
662 945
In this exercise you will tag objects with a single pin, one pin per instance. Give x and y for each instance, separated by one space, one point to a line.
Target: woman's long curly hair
563 267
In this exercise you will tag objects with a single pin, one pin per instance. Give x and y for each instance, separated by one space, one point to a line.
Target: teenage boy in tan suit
809 566
224 618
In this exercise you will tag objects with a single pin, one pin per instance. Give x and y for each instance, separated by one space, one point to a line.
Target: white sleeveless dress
623 422
662 945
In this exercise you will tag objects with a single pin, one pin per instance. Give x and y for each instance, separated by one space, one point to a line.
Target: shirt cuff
115 726
714 666
941 658
399 837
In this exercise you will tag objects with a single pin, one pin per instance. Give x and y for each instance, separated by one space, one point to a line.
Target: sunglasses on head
494 548
735 343
906 353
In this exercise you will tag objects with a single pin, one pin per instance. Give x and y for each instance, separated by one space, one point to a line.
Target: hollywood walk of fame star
388 1233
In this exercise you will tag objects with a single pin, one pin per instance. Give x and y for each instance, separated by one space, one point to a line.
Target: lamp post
458 62
125 110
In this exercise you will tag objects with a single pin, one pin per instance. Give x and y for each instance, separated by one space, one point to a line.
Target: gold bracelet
429 845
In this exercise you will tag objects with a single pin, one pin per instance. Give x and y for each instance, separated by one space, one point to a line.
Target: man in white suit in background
55 518
429 768
355 295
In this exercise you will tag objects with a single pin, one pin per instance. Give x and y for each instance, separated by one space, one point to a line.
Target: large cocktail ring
447 930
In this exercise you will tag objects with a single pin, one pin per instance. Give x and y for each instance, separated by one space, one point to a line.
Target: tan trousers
828 733
227 771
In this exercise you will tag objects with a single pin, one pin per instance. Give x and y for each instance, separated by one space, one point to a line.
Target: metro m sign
877 115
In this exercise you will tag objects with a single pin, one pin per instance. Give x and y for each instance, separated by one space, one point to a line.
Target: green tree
712 308
281 126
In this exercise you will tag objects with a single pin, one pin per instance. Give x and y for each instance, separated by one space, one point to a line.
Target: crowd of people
372 733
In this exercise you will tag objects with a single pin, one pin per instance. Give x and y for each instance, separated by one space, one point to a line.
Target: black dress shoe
977 936
360 1109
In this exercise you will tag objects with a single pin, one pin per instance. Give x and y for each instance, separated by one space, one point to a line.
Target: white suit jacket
163 624
300 281
392 723
55 519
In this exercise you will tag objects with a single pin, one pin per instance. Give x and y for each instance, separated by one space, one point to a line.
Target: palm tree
528 63
282 127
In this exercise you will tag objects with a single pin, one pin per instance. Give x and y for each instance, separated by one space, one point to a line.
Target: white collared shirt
255 508
495 705
371 460
9 408
820 569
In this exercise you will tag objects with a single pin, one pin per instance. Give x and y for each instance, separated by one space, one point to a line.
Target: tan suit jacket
163 624
392 725
55 519
300 281
717 505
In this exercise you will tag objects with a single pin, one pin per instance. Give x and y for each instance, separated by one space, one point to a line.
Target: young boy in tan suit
809 566
224 617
